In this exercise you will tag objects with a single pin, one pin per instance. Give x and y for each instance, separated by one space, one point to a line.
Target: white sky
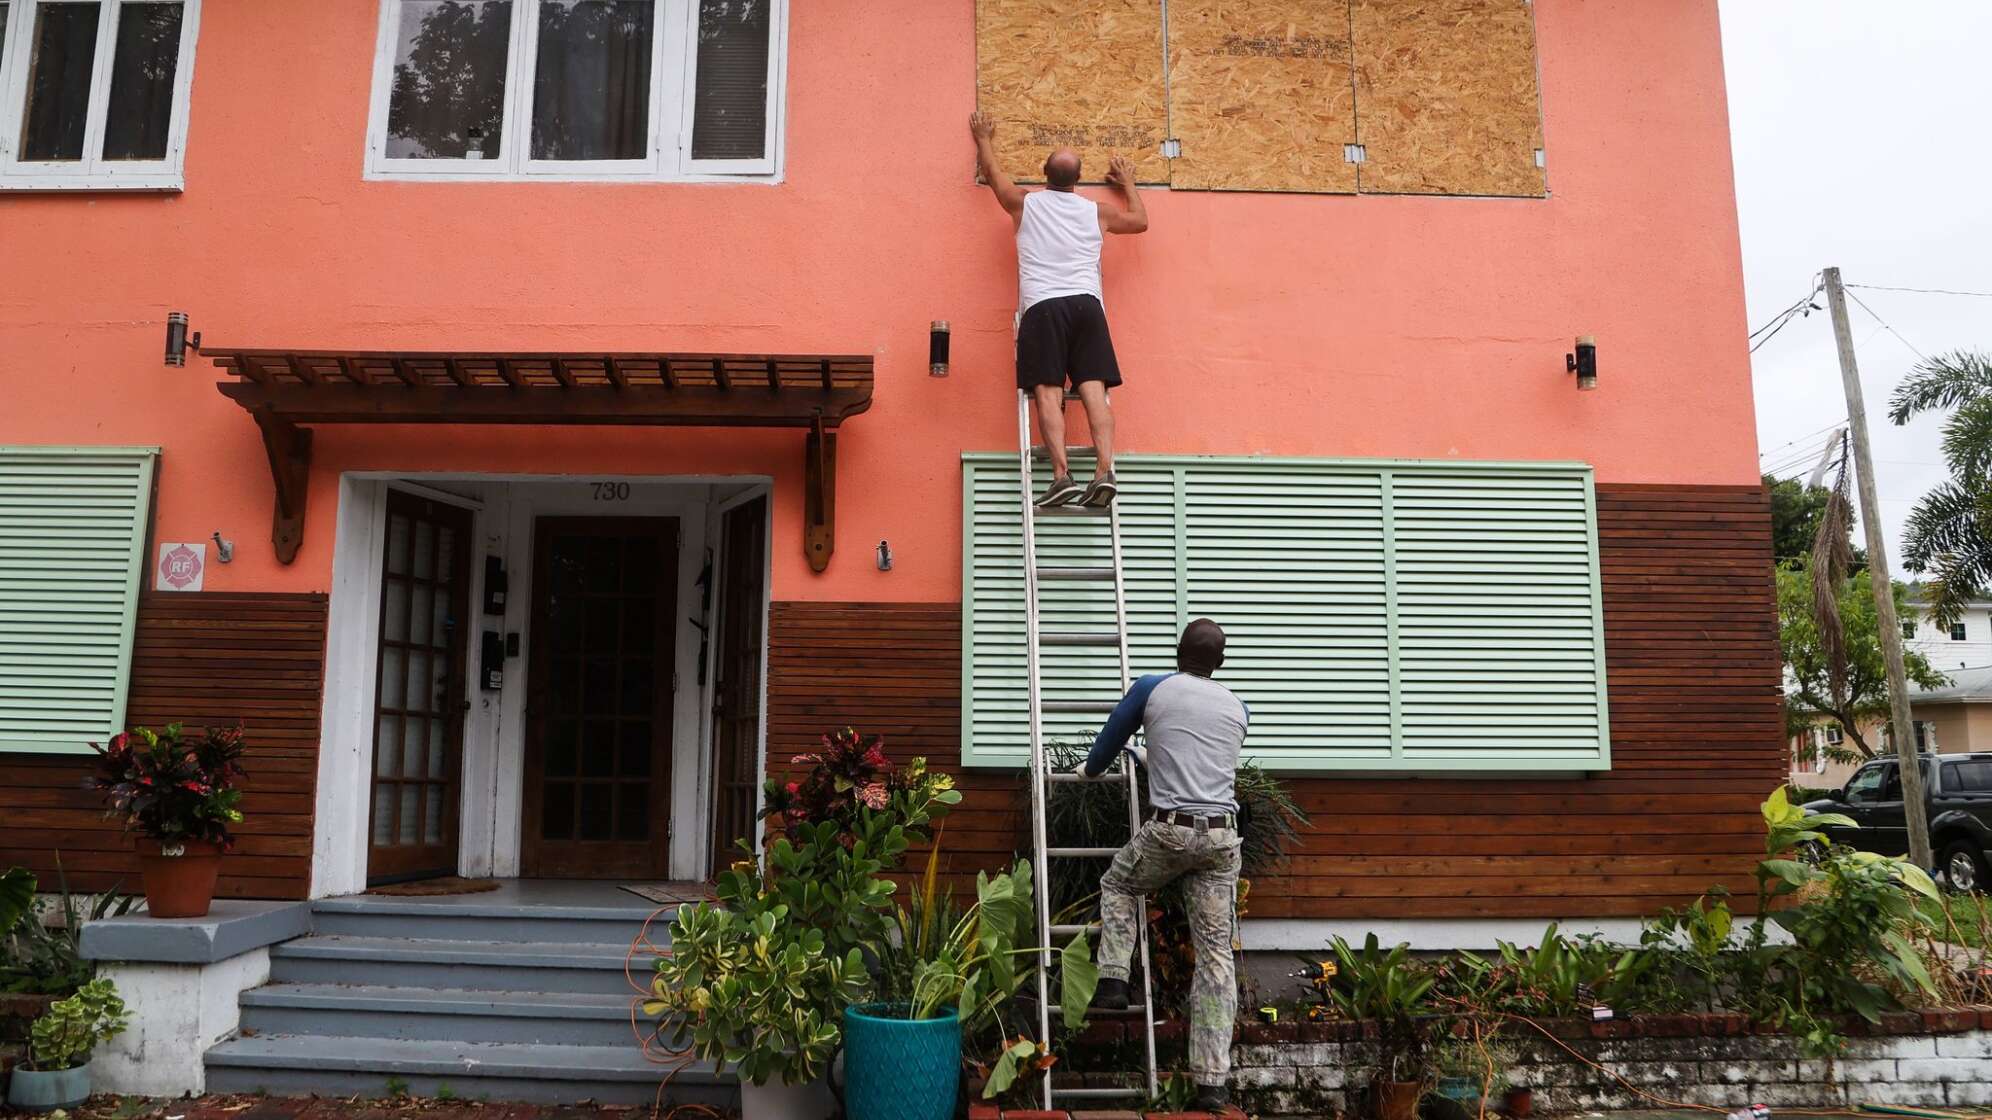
1862 132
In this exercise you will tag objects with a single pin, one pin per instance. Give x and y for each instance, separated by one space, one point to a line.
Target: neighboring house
1959 716
1964 644
572 401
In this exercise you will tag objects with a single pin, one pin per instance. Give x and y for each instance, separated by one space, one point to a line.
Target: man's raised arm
1007 192
1132 217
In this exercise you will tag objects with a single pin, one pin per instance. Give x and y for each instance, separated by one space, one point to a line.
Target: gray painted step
370 916
509 966
327 1065
456 1014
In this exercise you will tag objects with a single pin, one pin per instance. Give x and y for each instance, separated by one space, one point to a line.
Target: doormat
449 884
669 894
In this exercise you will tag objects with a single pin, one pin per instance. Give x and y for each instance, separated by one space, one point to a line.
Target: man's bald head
1201 648
1061 169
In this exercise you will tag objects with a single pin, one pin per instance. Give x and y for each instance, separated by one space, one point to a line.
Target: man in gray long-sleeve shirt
1195 729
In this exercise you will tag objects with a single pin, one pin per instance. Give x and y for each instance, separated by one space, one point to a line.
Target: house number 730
611 491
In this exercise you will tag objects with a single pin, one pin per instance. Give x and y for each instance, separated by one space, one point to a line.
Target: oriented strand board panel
1446 99
1083 73
1260 95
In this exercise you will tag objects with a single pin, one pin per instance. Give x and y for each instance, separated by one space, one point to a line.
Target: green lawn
1971 914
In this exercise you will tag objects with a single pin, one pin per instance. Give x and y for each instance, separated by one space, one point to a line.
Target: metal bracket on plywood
1172 149
1354 153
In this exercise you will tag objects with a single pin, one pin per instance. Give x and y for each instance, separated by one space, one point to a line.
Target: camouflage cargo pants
1159 855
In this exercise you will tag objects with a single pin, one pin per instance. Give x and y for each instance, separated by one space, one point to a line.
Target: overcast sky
1863 138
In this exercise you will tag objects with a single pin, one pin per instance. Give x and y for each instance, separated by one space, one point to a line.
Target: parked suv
1959 787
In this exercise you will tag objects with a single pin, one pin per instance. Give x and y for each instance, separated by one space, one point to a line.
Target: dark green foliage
1865 696
1796 510
1949 533
43 959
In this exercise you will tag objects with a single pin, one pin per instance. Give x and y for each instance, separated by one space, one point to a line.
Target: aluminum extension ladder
1041 777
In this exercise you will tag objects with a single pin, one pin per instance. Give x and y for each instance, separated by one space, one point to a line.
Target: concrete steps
495 998
331 1065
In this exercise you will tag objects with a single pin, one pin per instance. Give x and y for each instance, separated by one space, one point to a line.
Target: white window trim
675 34
92 173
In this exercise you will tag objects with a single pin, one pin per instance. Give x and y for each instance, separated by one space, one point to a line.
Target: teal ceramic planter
900 1069
36 1091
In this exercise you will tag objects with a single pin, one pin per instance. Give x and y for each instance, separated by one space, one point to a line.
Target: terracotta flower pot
1519 1103
1396 1100
179 878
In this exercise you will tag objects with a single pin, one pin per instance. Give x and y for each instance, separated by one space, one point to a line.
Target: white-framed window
93 93
621 90
1957 632
1909 629
1834 735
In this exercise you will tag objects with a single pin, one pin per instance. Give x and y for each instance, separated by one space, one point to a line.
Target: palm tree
1949 534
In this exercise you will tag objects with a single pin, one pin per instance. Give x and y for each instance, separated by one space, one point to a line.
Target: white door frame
504 508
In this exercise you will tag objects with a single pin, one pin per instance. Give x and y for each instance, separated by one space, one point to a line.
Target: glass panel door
598 697
420 700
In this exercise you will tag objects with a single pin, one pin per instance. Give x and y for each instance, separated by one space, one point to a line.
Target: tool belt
1191 820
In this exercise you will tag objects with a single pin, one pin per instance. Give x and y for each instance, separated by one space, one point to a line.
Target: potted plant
942 974
1388 990
58 1073
761 977
179 793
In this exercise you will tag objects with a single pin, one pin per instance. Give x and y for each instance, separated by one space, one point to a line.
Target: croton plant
171 786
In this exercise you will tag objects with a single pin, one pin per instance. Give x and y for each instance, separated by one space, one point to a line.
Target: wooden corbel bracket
819 494
289 449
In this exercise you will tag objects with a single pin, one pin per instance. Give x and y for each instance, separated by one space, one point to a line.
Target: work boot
1111 995
1101 492
1211 1098
1061 491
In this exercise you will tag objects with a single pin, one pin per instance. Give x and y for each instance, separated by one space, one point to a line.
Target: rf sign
182 566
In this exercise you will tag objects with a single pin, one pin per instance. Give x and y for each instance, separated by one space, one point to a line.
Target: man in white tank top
1062 323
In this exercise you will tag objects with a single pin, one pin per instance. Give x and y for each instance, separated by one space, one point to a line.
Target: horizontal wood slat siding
1693 671
200 658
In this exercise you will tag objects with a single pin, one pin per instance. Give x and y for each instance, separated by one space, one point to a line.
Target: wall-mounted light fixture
1584 362
937 348
177 340
224 549
884 557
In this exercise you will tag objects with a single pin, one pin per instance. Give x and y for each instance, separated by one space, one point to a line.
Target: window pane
142 69
591 85
448 100
63 50
730 116
3 30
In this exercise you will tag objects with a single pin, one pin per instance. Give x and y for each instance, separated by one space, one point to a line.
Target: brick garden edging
1928 1058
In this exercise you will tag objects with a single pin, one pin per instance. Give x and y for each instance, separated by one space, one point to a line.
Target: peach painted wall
1247 324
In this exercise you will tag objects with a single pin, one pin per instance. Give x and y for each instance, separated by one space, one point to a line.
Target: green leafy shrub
41 958
64 1036
1389 988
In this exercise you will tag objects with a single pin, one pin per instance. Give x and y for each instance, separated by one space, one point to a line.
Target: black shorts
1065 338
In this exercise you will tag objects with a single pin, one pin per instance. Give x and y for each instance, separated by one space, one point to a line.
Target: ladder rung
1038 451
1130 1009
1069 776
1062 929
1072 511
1081 853
1080 706
1080 638
1103 575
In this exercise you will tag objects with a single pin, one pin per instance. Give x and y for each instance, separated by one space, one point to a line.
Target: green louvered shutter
1382 615
72 540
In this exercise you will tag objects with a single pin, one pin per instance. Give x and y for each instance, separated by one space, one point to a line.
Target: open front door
736 717
598 698
419 702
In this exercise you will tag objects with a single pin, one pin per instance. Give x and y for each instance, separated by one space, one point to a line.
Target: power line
1922 291
1807 437
1886 327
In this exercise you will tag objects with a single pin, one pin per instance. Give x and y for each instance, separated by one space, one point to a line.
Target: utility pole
1914 807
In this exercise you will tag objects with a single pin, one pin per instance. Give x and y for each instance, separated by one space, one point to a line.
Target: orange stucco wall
1283 325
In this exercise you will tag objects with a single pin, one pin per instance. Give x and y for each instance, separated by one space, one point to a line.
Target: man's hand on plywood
1120 174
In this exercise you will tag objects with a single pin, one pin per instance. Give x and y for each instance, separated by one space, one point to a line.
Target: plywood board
1260 95
1446 99
1080 73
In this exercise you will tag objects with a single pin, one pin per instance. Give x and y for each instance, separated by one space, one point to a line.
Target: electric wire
1921 291
1886 327
1795 440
